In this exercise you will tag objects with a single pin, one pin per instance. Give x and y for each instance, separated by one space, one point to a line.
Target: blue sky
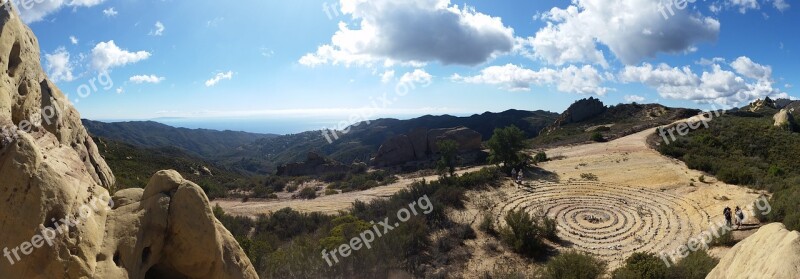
294 58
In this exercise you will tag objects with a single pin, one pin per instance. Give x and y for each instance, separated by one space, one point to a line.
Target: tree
449 152
506 147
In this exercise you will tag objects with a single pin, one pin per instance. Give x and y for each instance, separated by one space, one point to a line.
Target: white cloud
413 31
781 5
58 65
715 86
33 11
139 79
387 76
159 31
632 29
744 5
106 55
746 67
572 79
418 76
219 77
633 98
110 12
120 90
73 40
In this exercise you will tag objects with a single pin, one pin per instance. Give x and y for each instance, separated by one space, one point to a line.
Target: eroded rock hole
14 59
117 259
145 255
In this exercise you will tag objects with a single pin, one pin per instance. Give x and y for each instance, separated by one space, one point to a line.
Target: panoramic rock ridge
58 215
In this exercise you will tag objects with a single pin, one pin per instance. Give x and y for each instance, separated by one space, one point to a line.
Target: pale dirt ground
625 162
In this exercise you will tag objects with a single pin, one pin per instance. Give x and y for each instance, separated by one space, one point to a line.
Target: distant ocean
281 126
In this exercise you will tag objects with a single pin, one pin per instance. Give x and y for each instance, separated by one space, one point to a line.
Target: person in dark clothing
728 216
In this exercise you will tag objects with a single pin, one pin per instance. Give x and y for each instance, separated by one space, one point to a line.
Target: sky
360 59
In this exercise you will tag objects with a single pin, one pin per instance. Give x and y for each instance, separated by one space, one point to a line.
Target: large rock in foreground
55 211
772 252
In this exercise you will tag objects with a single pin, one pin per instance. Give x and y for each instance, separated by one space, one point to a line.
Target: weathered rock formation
421 144
784 119
579 111
54 192
772 252
759 105
315 164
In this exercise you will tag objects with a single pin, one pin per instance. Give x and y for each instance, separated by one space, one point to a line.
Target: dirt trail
325 204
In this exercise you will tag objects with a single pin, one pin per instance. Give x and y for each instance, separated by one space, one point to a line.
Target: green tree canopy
506 147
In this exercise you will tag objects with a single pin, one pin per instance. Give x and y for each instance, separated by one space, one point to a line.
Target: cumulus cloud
139 79
59 66
571 79
159 31
73 40
746 67
219 77
110 12
413 31
633 98
106 55
418 76
632 29
750 81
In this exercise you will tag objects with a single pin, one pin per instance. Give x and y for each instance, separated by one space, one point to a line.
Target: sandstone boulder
784 119
396 150
772 252
55 215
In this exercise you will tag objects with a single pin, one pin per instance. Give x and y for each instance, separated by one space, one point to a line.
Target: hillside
200 142
362 141
747 150
609 122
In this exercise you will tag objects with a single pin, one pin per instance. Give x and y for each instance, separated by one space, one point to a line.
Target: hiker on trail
739 217
513 173
519 177
728 215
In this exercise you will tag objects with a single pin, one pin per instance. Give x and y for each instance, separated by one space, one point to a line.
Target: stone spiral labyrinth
610 221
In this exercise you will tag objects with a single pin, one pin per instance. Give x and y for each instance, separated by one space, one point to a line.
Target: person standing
739 217
728 216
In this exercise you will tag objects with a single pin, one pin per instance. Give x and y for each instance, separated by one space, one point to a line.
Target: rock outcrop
759 105
579 111
772 252
55 215
784 119
315 164
421 144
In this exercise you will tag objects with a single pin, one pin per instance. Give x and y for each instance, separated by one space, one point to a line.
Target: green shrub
695 266
522 234
292 187
540 157
574 265
642 266
329 192
598 137
308 193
